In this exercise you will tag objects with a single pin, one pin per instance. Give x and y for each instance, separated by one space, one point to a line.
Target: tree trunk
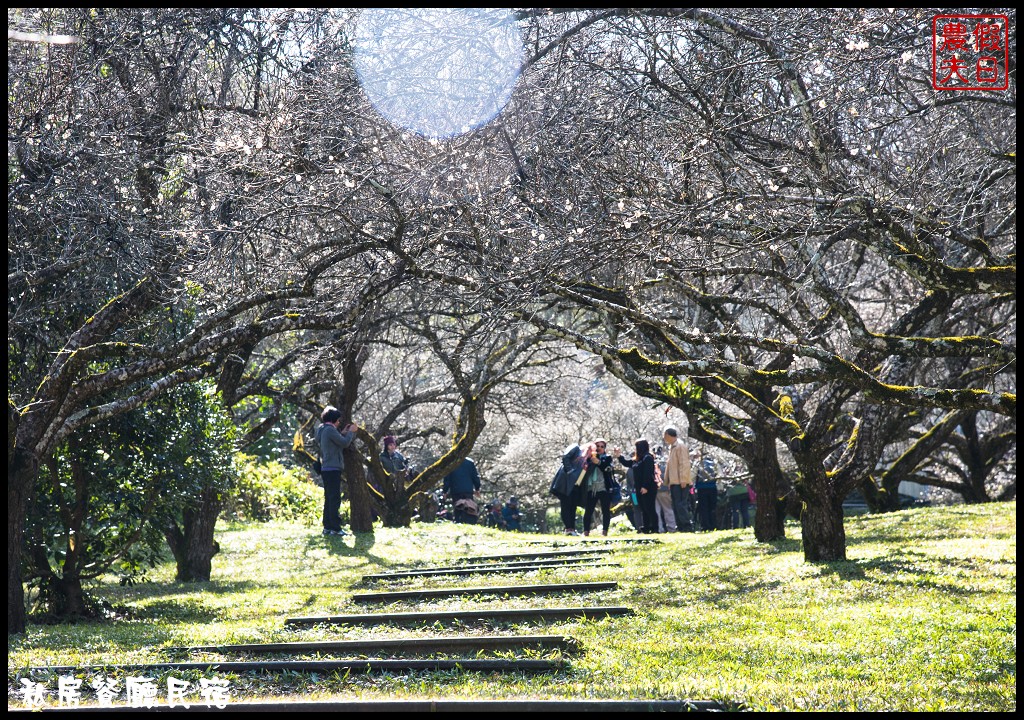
769 514
824 536
396 508
880 499
976 462
22 468
64 594
397 514
67 599
360 505
193 545
394 502
427 507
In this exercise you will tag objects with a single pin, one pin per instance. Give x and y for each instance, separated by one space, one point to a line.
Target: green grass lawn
921 617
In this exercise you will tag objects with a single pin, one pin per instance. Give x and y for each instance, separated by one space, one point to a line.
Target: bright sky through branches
438 72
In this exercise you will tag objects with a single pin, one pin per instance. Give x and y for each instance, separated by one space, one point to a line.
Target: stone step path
493 590
567 559
463 616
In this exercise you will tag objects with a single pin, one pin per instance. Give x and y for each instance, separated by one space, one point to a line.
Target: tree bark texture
769 515
360 506
821 522
22 468
192 544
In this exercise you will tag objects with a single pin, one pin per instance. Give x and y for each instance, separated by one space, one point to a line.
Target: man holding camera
333 442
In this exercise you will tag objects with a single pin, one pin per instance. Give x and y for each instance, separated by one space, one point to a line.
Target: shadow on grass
339 545
911 569
173 602
175 610
725 538
353 545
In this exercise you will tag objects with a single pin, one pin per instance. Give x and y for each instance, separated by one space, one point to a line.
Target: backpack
558 484
317 465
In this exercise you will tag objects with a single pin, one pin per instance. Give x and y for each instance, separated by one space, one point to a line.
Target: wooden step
453 616
482 569
494 590
382 646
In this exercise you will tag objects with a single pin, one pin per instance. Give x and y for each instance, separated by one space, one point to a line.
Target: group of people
507 516
669 495
586 478
461 485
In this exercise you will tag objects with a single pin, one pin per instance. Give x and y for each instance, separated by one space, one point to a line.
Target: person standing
332 442
510 514
645 483
393 461
707 493
635 515
739 504
594 488
395 466
462 484
677 477
566 486
663 500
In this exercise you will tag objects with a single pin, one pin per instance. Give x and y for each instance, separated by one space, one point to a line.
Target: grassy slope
921 617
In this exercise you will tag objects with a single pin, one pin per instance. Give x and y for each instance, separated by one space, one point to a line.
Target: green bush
267 490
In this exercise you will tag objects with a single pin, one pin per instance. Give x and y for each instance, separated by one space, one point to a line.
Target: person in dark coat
645 484
595 486
495 516
565 488
707 493
462 484
393 461
510 514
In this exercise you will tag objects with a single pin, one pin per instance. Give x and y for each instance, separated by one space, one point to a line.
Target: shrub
267 490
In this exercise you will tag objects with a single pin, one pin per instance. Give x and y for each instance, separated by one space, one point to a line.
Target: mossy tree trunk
768 483
821 519
192 543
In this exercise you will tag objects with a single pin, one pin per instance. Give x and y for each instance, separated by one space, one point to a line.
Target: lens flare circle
438 72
